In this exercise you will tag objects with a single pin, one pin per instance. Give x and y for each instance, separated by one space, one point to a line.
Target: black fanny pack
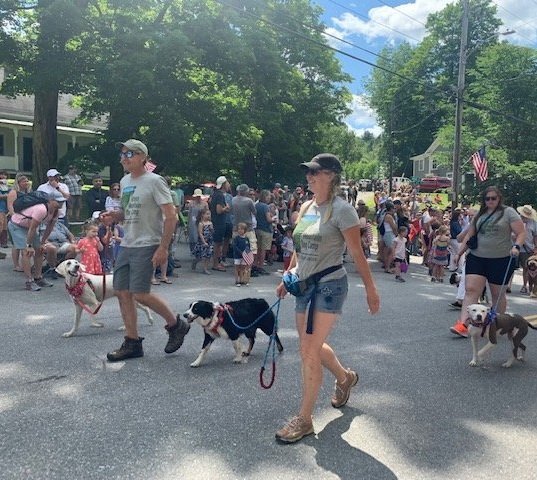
298 287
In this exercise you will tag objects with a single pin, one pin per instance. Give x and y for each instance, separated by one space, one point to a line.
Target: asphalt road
419 412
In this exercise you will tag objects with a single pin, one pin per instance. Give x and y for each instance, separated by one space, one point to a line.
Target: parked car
365 184
398 182
434 184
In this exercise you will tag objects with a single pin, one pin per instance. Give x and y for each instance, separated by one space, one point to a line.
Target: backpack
380 221
27 200
382 230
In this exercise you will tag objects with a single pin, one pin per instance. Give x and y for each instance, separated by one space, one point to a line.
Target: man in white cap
529 218
149 220
24 230
219 210
52 185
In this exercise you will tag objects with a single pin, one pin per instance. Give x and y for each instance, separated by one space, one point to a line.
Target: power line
354 57
334 49
521 20
347 9
402 13
339 39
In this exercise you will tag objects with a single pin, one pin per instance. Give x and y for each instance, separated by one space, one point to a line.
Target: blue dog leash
272 341
491 317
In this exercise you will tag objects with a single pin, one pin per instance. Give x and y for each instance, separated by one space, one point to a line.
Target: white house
16 122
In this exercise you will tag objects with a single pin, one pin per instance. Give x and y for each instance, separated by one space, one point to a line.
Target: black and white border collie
216 322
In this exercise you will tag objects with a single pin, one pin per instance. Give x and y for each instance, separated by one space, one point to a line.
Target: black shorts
493 269
219 232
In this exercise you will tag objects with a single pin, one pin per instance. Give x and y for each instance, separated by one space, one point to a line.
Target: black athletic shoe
177 335
130 348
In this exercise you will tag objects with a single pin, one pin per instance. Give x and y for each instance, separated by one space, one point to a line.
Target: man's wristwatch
517 246
29 245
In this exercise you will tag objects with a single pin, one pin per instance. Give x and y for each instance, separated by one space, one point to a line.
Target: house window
27 152
1 145
421 165
434 163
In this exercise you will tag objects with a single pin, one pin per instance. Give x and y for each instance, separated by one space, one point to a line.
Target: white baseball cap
52 172
220 181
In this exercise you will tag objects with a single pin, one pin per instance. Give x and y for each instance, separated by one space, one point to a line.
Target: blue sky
372 24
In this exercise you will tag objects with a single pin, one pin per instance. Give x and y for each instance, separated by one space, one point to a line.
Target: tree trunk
249 173
45 135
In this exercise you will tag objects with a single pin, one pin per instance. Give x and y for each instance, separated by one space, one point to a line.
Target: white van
398 182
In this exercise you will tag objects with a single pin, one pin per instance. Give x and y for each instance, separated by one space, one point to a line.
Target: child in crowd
203 250
288 247
106 234
399 245
241 244
89 247
4 190
440 253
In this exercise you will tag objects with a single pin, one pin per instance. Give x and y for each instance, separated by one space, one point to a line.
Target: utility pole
458 108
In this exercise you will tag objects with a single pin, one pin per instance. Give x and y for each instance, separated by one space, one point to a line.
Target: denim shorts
19 236
388 238
329 296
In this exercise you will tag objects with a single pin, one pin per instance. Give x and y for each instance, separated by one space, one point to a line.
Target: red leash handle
262 380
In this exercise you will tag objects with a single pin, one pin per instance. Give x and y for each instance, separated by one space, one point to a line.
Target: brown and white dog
531 267
515 327
86 291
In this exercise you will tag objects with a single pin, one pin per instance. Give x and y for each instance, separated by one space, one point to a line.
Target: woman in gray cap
327 225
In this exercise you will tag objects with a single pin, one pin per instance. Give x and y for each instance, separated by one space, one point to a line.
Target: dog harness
489 319
219 320
78 288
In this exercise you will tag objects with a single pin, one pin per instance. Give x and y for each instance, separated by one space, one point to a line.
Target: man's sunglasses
128 154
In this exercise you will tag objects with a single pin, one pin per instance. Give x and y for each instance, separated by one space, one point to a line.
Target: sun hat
197 193
527 211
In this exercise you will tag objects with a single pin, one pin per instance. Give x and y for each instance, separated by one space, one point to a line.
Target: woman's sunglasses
315 172
490 199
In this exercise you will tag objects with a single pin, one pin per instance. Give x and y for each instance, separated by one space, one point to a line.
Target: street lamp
463 57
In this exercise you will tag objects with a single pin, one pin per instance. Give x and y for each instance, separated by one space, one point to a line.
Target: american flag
248 257
150 166
479 159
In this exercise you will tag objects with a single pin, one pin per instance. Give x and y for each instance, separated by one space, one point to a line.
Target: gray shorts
329 296
133 269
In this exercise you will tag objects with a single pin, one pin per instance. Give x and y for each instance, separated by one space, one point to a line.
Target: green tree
43 61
